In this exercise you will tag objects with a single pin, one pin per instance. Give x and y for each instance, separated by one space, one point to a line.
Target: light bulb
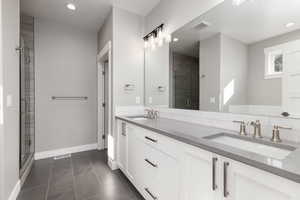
168 38
160 34
152 39
160 42
71 6
153 46
146 44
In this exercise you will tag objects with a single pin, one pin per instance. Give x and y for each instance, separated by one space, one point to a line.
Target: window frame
270 54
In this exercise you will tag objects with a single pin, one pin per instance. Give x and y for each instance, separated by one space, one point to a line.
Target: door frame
104 55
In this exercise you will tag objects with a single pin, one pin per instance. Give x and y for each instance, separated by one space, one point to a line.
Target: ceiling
90 14
252 21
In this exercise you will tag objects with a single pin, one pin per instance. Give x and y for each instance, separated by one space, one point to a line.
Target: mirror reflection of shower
27 93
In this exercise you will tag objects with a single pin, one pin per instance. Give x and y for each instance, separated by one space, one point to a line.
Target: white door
104 96
247 183
199 175
291 82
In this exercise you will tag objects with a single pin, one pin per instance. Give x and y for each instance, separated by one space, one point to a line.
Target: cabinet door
122 149
135 156
168 179
248 183
200 175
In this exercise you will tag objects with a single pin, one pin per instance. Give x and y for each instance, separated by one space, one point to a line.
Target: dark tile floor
84 176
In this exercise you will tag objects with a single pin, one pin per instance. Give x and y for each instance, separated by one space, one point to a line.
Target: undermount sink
138 118
263 147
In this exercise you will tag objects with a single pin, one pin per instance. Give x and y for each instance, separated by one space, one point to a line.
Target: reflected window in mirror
274 63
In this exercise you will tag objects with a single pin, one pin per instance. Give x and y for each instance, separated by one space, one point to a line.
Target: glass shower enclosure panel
27 92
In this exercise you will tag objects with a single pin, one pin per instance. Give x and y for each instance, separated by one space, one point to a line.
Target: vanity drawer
162 143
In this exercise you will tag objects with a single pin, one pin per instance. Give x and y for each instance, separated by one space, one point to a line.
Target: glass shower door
27 93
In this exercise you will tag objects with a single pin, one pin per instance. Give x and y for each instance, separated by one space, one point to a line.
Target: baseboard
58 152
112 164
15 192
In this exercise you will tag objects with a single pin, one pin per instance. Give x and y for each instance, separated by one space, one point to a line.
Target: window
274 63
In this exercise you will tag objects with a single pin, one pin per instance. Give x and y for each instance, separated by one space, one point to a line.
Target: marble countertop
197 135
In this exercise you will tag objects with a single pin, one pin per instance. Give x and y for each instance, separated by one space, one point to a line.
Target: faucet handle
239 121
282 127
276 133
243 125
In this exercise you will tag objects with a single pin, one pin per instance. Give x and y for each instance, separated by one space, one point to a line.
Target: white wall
65 66
9 81
176 13
233 72
105 33
128 57
209 61
157 74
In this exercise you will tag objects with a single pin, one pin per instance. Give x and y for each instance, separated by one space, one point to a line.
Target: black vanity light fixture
157 37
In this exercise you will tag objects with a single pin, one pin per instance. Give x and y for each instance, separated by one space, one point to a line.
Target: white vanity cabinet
200 174
211 177
162 168
122 145
154 173
248 183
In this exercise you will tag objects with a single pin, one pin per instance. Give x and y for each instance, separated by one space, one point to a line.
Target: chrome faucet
257 129
276 133
243 125
152 114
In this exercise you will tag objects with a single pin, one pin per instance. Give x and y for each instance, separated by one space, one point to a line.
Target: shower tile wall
27 80
186 81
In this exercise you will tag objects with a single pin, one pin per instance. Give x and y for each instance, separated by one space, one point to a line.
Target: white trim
58 152
106 51
15 192
112 164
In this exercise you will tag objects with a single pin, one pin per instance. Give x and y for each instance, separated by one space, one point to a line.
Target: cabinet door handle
226 193
214 162
151 163
150 139
152 196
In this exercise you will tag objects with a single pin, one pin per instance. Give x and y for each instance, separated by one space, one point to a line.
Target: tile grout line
73 177
49 179
95 174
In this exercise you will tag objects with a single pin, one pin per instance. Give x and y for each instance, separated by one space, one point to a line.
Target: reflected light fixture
71 6
290 24
175 40
238 2
157 37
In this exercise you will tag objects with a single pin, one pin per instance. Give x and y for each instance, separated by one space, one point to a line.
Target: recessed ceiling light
175 40
71 6
238 2
290 24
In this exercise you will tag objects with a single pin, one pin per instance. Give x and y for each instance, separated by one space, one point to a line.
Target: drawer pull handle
226 193
151 163
150 139
152 196
214 162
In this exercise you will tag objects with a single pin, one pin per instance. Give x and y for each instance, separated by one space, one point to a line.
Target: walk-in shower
27 94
